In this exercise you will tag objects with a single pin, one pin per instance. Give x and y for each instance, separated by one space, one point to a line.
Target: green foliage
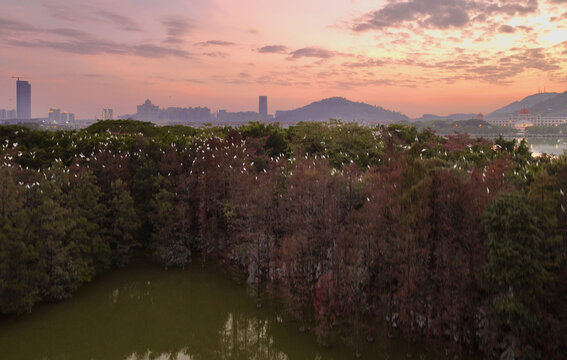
407 133
84 198
257 129
123 223
276 142
514 269
171 238
124 127
54 234
471 126
144 181
351 226
20 274
546 193
506 145
547 130
342 143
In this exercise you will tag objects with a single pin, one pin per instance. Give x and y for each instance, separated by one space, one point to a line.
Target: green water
145 312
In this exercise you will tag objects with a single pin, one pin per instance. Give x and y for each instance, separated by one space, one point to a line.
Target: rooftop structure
147 112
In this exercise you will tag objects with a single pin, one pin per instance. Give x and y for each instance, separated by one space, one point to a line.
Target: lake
548 145
145 312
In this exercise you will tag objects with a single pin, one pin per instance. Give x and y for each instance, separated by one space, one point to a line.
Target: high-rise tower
263 107
23 99
107 114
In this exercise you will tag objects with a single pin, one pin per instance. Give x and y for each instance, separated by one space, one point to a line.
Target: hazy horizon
414 57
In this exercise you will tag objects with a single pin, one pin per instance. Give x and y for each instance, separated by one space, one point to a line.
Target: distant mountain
340 108
555 106
455 117
530 102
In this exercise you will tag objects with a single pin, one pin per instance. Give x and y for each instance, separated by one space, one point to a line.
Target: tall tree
514 269
122 223
20 275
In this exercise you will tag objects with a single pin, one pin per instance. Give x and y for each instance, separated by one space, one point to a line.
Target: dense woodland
353 230
472 126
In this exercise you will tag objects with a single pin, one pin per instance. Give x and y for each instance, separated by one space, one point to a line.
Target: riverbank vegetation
353 230
472 126
559 130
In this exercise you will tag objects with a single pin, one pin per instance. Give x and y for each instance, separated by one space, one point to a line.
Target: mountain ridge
530 102
555 106
340 108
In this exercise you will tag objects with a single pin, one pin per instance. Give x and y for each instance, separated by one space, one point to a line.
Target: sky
411 56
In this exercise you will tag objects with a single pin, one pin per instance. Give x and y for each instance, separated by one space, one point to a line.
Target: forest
353 230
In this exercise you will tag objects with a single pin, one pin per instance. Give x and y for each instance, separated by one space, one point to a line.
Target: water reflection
247 338
181 355
550 146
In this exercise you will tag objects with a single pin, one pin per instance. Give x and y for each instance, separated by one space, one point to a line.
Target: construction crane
20 77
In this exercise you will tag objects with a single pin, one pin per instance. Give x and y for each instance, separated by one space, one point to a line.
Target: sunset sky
414 56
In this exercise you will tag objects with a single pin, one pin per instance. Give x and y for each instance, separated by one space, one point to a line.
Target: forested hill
454 117
341 109
528 102
555 106
353 230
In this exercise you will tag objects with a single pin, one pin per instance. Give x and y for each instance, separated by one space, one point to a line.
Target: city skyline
415 56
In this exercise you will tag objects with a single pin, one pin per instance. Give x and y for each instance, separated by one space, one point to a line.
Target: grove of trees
352 230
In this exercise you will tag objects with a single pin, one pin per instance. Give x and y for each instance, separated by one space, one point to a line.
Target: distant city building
172 115
221 114
480 116
147 112
185 115
199 115
54 115
107 114
524 118
235 118
23 100
263 107
7 114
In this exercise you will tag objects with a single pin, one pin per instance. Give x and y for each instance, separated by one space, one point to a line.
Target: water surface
548 145
145 312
